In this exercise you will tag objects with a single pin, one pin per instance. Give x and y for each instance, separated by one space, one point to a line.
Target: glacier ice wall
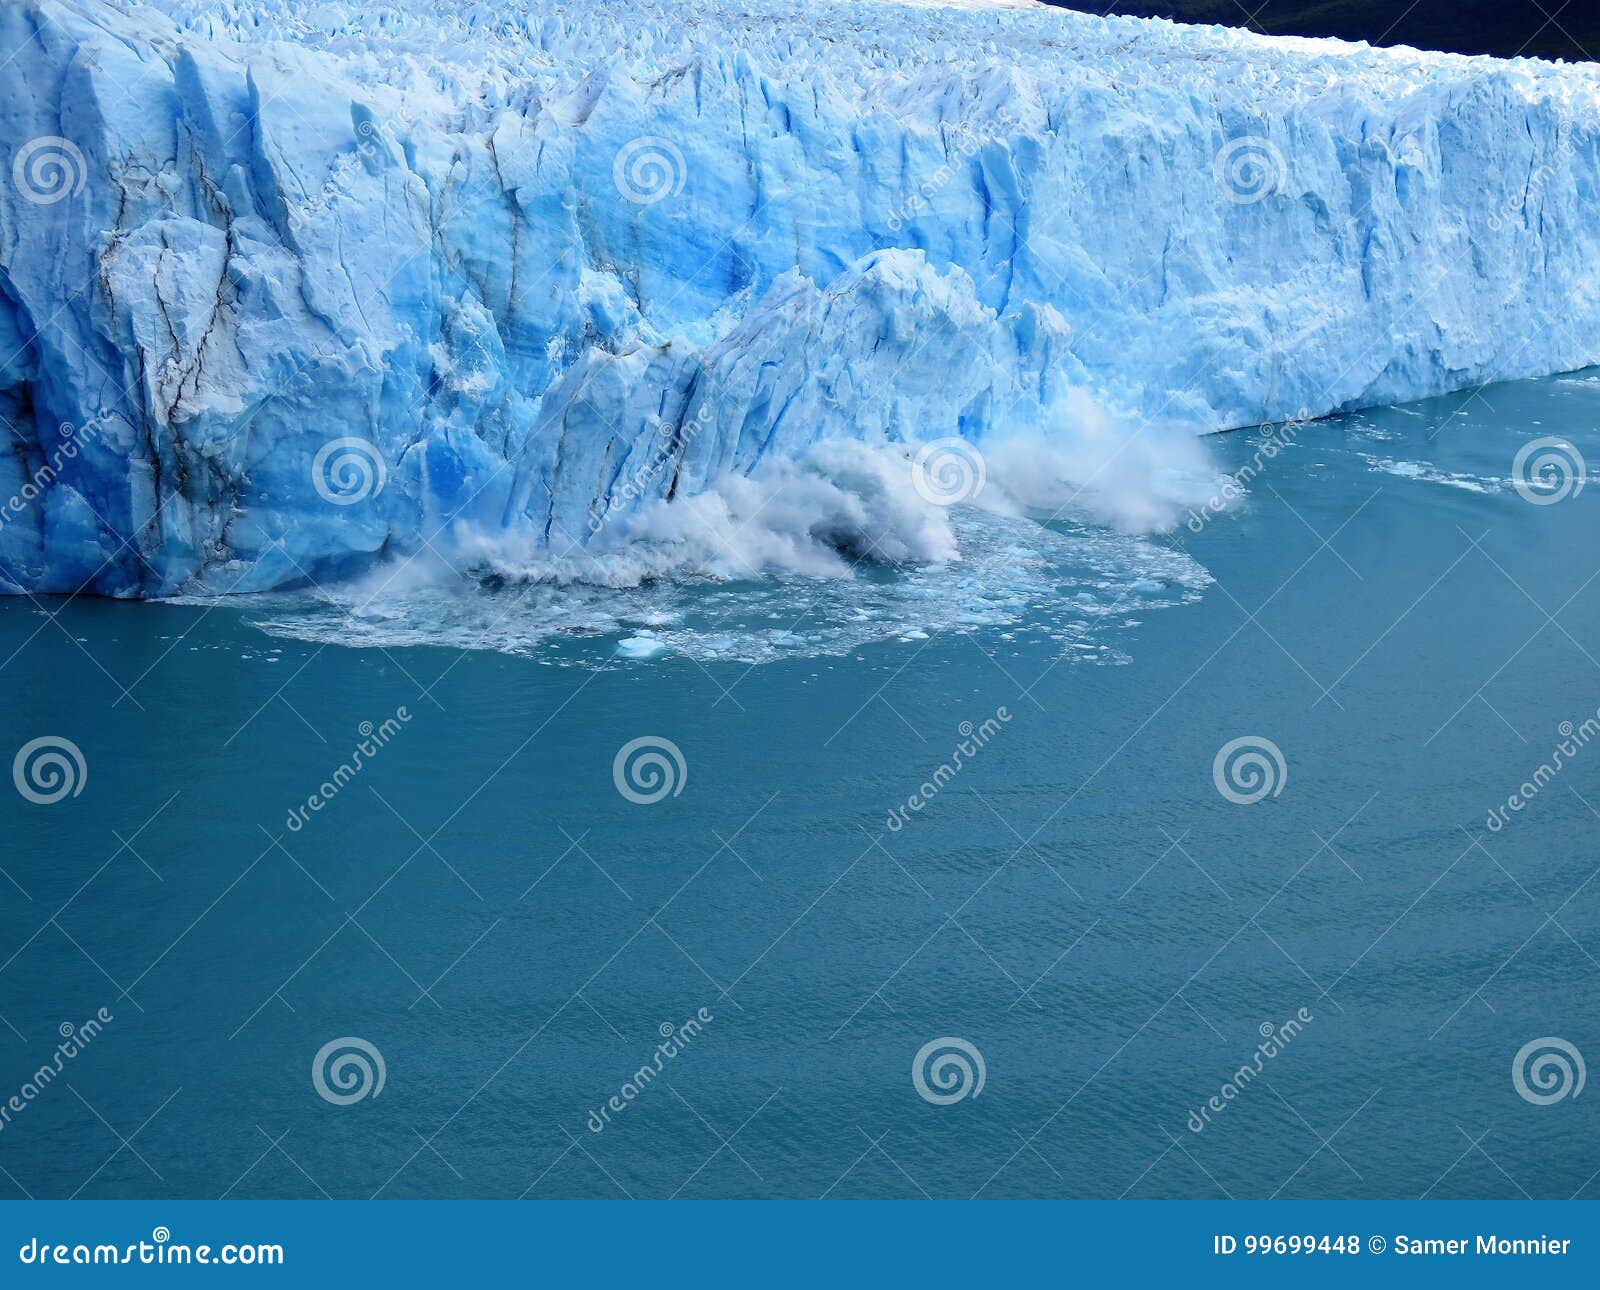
286 287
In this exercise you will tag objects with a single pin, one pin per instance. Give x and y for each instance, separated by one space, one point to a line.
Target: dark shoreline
1558 29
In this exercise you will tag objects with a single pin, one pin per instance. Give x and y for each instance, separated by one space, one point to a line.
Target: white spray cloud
843 503
1093 466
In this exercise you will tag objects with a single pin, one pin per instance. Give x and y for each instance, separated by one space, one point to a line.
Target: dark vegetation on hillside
1568 29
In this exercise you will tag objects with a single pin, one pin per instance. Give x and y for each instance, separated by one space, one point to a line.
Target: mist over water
848 544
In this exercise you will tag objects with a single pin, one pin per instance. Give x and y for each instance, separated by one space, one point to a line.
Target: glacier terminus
292 289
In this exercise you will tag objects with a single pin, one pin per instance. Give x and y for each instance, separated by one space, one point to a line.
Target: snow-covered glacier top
288 289
910 55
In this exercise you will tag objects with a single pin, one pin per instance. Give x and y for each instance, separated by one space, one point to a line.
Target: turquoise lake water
1079 904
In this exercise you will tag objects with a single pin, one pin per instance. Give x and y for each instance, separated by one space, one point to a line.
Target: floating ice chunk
640 647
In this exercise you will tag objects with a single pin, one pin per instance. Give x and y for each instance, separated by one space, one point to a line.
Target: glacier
292 290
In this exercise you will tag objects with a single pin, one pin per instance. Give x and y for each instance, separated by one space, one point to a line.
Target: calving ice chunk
528 264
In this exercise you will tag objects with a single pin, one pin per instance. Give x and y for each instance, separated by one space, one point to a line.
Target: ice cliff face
287 286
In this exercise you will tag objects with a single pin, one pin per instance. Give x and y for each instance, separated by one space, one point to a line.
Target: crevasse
289 287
